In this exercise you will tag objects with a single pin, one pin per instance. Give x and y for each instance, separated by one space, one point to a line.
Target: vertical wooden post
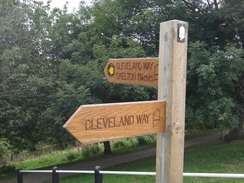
172 86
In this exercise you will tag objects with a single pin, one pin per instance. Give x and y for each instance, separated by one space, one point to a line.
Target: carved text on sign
141 71
96 123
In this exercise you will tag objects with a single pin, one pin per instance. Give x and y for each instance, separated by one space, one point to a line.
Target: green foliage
119 145
200 132
90 150
130 19
69 94
109 92
233 12
133 142
26 78
4 148
140 20
213 79
6 169
51 62
71 156
212 157
141 141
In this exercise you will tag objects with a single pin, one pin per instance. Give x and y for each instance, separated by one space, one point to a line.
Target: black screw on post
19 176
55 178
98 176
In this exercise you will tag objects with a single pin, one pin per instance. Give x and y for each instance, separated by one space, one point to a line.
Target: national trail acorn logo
111 70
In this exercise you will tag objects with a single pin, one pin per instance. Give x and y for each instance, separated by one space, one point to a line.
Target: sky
72 3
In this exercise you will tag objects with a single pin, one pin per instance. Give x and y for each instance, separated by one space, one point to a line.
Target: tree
233 12
26 74
38 93
52 61
140 20
214 89
69 94
108 92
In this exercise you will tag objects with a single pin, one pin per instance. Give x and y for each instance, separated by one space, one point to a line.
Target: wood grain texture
139 71
170 168
97 123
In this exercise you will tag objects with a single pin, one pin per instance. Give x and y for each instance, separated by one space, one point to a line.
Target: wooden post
172 86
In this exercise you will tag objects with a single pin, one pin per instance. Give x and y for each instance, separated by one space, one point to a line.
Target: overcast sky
72 3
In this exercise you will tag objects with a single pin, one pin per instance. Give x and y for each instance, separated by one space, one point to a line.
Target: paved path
109 161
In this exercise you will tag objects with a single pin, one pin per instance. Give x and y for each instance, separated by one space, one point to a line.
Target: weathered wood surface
97 123
173 51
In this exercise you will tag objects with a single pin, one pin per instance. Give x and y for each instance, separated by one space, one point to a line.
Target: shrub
90 150
7 168
119 145
142 140
71 156
4 148
132 142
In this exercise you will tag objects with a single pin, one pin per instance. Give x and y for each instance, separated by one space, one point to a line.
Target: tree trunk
107 148
216 4
240 131
12 156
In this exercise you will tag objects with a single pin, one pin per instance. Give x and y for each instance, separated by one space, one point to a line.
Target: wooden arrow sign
140 71
97 123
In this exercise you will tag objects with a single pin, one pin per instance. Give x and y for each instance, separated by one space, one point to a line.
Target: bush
7 168
4 149
151 138
132 142
142 140
71 156
119 145
90 150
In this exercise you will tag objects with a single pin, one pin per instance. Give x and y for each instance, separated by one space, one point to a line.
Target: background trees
52 62
26 75
214 86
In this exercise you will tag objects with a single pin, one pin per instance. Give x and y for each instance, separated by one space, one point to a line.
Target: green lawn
124 146
218 157
194 133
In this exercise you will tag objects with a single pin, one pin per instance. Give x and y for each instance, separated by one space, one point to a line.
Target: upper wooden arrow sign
140 71
97 123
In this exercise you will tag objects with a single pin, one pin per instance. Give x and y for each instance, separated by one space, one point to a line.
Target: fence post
19 176
55 175
98 176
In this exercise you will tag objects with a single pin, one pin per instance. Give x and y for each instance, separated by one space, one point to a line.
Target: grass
218 157
194 133
142 165
221 156
72 156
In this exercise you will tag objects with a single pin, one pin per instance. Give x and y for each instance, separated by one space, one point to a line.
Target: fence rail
220 175
99 178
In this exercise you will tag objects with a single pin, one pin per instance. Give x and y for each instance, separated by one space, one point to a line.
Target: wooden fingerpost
172 87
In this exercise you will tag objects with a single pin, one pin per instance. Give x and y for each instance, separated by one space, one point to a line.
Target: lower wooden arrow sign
98 123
